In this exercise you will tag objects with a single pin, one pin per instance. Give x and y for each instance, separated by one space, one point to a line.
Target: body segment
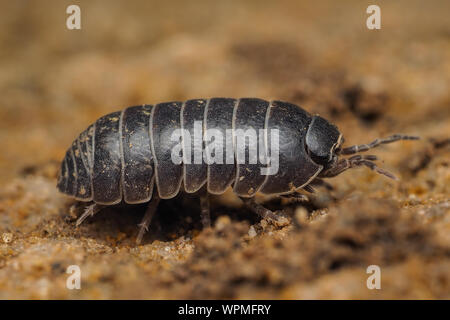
249 119
194 169
107 168
164 120
137 158
219 117
296 169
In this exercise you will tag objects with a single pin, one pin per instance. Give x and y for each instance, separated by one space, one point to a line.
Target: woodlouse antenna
377 169
357 161
364 147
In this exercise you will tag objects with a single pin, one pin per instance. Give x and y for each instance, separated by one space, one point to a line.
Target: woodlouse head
322 141
336 166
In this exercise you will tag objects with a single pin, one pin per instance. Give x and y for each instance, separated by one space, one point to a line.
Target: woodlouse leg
263 212
205 211
297 197
341 166
149 213
321 183
89 211
364 147
309 189
76 206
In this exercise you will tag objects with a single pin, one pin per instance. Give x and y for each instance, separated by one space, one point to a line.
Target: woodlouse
124 154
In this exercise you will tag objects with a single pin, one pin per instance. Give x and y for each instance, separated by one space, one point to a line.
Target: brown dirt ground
54 82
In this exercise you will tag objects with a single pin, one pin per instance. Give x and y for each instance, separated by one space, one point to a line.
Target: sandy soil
55 82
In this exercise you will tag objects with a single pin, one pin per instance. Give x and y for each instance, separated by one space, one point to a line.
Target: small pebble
252 232
7 237
222 222
301 215
263 223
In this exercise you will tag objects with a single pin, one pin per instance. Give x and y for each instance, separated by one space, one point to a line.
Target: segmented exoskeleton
127 155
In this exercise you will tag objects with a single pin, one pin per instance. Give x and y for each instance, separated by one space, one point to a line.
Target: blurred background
54 82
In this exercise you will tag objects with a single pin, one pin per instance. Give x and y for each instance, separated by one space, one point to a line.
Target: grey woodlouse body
126 155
